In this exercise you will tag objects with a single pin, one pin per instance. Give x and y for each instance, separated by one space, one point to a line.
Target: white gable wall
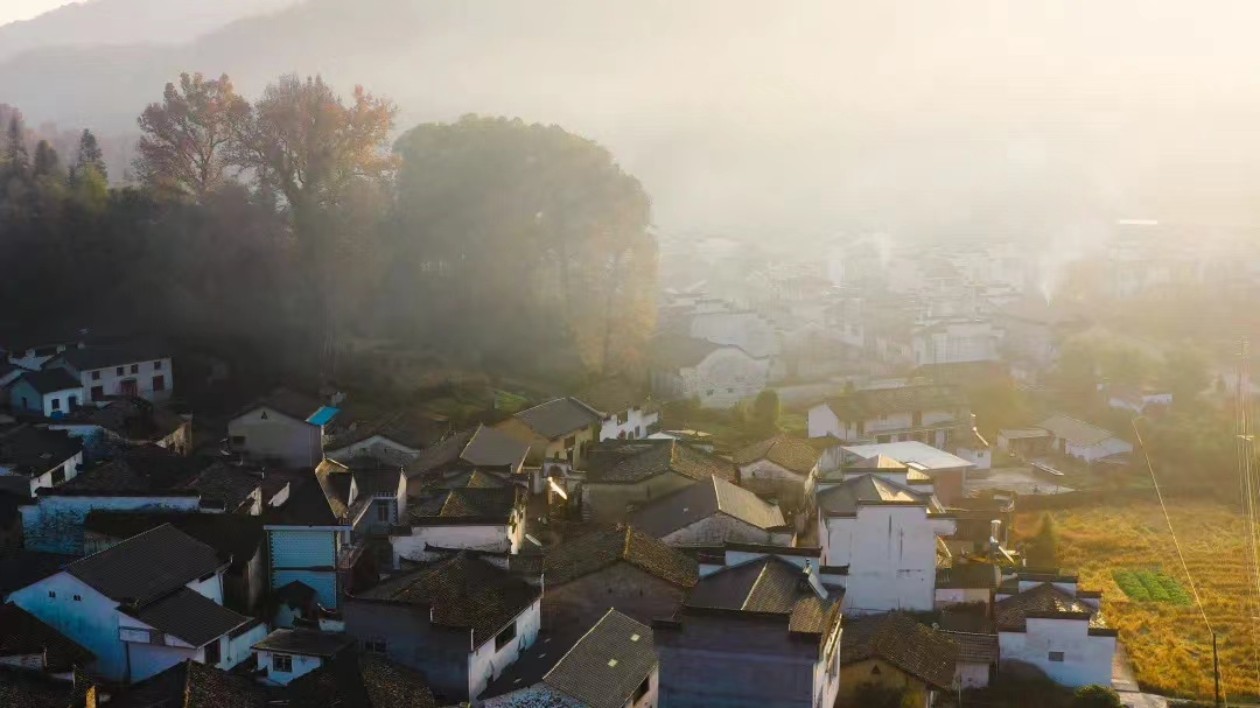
266 433
1086 659
92 621
891 554
486 663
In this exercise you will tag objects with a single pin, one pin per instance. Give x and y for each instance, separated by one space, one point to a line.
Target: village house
238 536
373 497
488 515
139 370
613 665
284 426
461 622
1048 622
396 439
1084 441
29 644
360 680
30 349
783 468
978 656
309 540
622 474
712 513
717 375
626 414
559 430
766 627
52 393
879 540
34 458
127 422
955 340
139 623
621 568
935 414
892 651
946 472
479 448
1137 400
189 684
288 654
967 583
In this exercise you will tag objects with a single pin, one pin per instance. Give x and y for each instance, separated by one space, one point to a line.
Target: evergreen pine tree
15 156
46 161
89 155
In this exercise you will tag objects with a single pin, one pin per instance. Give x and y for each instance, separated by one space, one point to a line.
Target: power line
1194 590
1244 447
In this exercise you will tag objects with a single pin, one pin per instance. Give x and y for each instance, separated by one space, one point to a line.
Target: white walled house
955 341
627 416
1084 441
31 351
106 371
744 329
935 414
880 537
44 457
287 654
783 468
51 393
482 519
978 656
284 426
719 376
1049 623
138 623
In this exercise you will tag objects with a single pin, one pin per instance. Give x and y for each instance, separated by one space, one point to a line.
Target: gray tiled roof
237 535
146 567
1075 431
847 496
606 666
895 637
141 471
768 584
208 687
560 417
702 500
32 451
50 381
975 647
361 681
22 633
308 642
287 401
598 550
485 503
463 592
101 357
474 447
191 616
1011 613
790 453
862 405
630 461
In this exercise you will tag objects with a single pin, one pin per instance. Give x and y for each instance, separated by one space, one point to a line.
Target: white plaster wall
637 425
486 663
823 422
239 648
295 442
1106 448
746 330
971 675
481 538
730 374
211 587
1086 660
92 621
379 447
55 524
151 659
302 665
110 380
891 554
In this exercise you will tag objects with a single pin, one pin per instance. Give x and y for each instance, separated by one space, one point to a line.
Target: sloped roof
147 566
974 647
559 417
1075 431
308 642
968 575
613 395
1011 613
22 633
287 401
208 687
140 471
413 428
191 616
29 689
479 502
598 550
767 585
912 453
101 357
475 447
361 681
28 450
702 500
896 638
790 453
864 404
878 462
22 567
50 381
607 665
845 498
463 592
238 535
676 351
629 461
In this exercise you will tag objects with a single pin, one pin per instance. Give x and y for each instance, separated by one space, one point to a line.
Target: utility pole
1216 670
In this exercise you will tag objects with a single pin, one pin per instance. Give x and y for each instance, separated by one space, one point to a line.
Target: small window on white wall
1056 656
282 662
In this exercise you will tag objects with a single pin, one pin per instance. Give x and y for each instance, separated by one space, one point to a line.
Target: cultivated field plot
1167 641
1146 585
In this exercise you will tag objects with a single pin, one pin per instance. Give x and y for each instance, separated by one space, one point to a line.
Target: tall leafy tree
185 139
16 158
47 163
89 156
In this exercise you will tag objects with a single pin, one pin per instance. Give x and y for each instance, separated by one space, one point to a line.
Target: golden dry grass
1170 646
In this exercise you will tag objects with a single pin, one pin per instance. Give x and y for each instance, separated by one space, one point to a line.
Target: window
382 513
282 662
505 637
52 593
98 392
157 366
56 404
59 476
135 368
709 392
96 376
119 371
212 653
159 383
78 598
643 688
238 440
1056 656
375 645
72 401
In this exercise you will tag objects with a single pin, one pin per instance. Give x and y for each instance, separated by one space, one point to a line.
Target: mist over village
408 353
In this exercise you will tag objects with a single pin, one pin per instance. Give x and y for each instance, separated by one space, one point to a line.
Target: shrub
1096 697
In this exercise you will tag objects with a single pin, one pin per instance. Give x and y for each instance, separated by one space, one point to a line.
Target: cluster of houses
571 554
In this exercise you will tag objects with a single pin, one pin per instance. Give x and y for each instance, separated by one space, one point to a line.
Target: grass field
1129 545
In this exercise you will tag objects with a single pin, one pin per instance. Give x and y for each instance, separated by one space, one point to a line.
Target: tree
1184 373
1042 550
185 139
46 163
765 412
89 156
1096 696
16 159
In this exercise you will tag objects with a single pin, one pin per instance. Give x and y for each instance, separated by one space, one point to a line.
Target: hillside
122 22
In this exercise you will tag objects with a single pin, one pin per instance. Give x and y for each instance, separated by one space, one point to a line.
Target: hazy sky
13 10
